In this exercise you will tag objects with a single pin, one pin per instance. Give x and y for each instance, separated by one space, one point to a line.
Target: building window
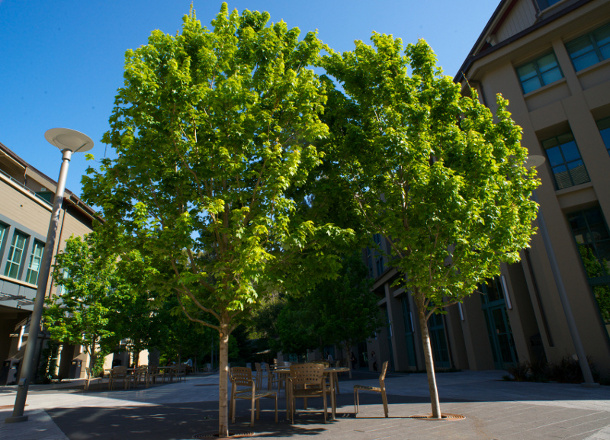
540 72
35 260
3 229
369 262
593 240
379 263
15 255
566 163
590 48
604 130
543 4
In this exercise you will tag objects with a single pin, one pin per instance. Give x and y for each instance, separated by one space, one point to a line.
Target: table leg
333 398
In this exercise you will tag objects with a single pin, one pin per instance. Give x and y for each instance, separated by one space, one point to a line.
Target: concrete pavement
492 409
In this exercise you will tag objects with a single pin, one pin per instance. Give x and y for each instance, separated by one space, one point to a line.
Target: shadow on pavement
184 421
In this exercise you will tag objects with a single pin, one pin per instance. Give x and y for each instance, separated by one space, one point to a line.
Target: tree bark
348 352
425 337
223 369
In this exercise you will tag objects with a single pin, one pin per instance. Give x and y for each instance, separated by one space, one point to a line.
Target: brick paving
492 409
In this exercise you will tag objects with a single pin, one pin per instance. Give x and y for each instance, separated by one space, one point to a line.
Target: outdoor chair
179 372
262 371
116 374
380 389
242 377
306 381
141 375
155 373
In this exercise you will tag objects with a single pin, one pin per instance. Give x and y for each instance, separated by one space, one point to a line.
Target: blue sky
61 61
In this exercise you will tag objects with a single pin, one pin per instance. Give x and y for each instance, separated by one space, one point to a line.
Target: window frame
30 277
11 262
566 162
603 126
593 44
539 74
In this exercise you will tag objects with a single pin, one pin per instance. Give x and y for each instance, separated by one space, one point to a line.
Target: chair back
307 374
241 376
325 363
384 370
119 371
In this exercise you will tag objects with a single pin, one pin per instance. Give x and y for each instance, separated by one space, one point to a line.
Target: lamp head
67 139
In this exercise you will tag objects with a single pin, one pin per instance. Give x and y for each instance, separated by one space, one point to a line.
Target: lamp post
535 161
68 141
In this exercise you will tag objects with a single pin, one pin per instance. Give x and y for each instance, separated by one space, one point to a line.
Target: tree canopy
434 171
213 128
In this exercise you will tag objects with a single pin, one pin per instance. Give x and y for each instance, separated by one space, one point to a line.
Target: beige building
25 210
551 60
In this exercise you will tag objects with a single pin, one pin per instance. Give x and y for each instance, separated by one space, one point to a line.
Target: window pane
602 35
531 85
551 76
585 61
580 46
570 151
606 137
578 172
547 62
543 4
527 72
554 155
562 178
605 51
3 230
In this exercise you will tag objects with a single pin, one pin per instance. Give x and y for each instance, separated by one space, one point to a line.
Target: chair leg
252 411
276 408
231 406
325 405
384 398
356 396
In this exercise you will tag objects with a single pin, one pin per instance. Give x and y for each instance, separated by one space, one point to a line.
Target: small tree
432 171
80 314
212 129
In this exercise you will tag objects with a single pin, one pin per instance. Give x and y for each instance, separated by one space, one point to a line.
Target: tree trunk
425 337
223 369
348 352
92 359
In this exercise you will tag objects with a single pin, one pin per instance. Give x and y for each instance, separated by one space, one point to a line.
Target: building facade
551 60
26 197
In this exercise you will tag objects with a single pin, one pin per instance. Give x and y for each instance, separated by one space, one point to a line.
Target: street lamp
535 161
68 141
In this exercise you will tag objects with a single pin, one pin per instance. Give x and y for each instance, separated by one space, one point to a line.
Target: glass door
498 325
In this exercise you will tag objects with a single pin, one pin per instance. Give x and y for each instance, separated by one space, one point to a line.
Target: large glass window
593 240
15 255
566 163
604 130
539 72
35 259
590 48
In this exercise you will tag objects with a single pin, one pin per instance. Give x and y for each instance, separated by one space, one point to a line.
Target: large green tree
211 130
432 170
